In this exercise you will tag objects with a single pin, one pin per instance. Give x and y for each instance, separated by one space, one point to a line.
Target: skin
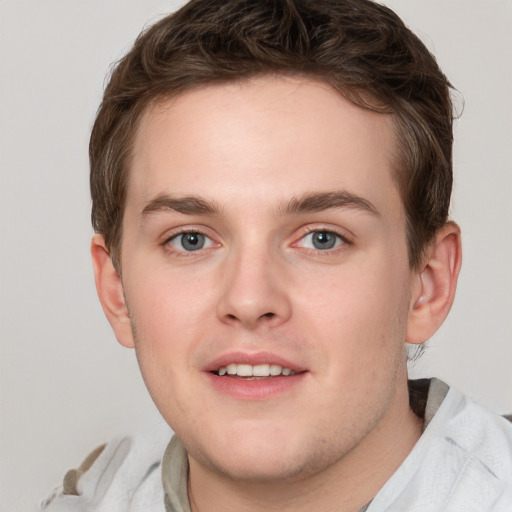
249 153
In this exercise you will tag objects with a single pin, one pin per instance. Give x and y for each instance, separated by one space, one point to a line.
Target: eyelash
184 253
345 241
317 229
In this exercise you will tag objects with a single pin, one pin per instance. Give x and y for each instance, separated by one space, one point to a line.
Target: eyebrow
189 205
321 201
313 202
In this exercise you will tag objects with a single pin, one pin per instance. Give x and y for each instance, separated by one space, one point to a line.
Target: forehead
270 136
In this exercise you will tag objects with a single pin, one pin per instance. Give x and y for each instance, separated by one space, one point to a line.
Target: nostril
268 315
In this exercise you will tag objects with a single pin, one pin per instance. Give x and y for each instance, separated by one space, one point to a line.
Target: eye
321 240
190 241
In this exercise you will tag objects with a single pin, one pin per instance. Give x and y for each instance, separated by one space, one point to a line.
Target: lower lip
257 389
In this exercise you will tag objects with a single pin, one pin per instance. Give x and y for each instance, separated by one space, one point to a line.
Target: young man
271 185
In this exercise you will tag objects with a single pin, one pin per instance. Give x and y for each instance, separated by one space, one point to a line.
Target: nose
253 291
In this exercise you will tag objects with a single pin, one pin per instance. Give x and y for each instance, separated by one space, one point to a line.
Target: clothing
125 477
461 463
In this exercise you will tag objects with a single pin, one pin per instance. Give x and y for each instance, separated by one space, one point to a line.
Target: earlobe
110 292
435 285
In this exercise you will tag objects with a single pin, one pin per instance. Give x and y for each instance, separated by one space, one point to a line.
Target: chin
265 459
261 469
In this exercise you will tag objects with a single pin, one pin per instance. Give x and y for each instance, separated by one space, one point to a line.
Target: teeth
244 370
259 370
275 369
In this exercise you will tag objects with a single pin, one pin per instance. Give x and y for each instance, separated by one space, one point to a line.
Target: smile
254 377
258 370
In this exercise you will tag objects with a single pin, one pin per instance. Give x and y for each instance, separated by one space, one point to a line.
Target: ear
110 292
435 284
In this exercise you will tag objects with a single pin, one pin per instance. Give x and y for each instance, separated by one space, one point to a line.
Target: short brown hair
360 48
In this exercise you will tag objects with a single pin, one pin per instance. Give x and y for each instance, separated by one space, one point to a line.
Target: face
265 271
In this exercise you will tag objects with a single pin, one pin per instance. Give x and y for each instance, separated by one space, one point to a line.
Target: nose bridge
252 289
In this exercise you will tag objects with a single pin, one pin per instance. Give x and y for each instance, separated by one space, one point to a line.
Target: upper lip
252 359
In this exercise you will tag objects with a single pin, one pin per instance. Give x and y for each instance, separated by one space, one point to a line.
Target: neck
347 485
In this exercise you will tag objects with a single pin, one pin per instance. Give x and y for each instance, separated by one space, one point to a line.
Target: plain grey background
66 386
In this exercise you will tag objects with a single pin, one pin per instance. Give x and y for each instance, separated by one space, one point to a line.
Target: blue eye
321 240
190 241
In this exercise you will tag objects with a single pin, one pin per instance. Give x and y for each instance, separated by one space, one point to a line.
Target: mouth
250 377
253 372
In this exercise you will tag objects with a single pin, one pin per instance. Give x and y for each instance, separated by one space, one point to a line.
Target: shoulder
123 475
472 448
463 461
478 433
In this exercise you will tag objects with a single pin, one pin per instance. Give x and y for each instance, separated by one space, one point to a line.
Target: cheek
361 311
166 315
167 328
167 305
